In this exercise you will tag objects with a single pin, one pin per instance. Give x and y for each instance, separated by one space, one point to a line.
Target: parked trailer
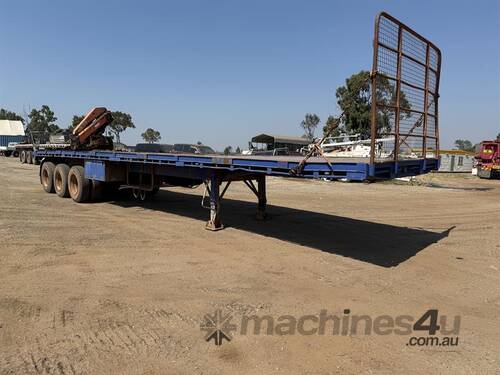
7 144
79 174
26 151
411 125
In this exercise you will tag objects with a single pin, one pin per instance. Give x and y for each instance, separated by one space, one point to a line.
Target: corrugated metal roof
281 139
11 127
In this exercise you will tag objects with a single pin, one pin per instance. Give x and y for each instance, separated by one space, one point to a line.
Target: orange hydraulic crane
89 133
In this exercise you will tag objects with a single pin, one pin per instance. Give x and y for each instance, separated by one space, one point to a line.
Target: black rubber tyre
47 176
61 180
29 157
7 153
79 187
22 156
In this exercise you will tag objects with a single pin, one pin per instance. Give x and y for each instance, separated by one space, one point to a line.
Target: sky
221 72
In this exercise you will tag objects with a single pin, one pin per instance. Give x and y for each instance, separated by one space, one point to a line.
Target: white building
456 161
10 131
11 127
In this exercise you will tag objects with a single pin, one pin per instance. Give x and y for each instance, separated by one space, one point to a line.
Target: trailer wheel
78 185
22 156
47 176
29 157
61 180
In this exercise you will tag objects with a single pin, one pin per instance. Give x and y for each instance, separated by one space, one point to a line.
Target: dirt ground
120 287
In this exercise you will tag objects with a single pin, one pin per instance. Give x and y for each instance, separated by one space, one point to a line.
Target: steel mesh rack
407 66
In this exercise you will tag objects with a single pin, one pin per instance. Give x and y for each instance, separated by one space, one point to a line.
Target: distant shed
293 144
456 161
10 131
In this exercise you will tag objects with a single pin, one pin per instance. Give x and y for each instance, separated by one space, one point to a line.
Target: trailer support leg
261 207
260 193
214 222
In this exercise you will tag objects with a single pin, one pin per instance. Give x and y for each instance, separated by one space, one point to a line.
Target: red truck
488 160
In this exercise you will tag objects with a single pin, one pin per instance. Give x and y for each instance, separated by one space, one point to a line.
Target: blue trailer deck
145 173
353 169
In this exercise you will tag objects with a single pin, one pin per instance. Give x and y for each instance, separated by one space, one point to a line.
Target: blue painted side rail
356 169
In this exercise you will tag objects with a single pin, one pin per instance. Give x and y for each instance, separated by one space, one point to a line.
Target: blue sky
223 71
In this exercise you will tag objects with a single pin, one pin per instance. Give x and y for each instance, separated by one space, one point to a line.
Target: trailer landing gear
212 187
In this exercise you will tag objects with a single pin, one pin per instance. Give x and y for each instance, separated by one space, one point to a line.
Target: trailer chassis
144 180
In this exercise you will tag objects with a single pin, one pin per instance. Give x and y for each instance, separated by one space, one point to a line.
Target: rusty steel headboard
405 93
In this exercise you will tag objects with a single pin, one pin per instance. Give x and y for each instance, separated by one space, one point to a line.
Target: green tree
42 120
354 99
464 144
8 115
309 125
331 120
238 150
151 135
498 137
121 122
228 150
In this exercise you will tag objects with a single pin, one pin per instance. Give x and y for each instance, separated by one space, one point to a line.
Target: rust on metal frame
407 45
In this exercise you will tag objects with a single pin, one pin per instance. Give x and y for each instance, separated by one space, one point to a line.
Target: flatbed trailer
404 86
25 151
145 173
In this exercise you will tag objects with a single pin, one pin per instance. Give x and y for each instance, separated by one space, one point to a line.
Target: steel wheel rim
58 181
45 177
73 185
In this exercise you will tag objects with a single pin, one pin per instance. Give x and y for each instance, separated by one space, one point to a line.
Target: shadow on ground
379 244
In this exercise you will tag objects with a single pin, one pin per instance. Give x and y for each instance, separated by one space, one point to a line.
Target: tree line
354 100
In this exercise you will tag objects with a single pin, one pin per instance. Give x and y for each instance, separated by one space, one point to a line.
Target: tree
8 115
228 150
238 150
354 100
309 125
498 137
464 144
329 123
151 135
121 122
42 121
199 143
